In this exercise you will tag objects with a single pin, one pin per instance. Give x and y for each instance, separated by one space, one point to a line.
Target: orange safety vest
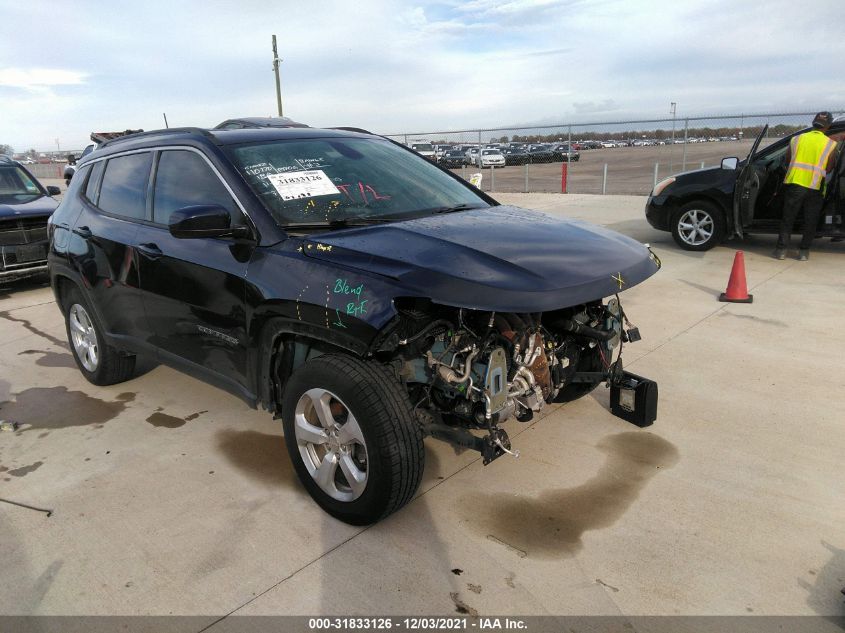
809 154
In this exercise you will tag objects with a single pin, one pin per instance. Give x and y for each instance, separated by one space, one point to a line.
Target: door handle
149 250
83 232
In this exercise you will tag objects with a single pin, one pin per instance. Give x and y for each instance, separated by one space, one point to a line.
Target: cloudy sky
70 68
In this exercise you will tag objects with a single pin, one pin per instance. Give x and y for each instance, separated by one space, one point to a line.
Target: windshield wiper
457 207
336 224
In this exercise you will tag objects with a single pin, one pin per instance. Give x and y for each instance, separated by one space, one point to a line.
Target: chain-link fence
618 157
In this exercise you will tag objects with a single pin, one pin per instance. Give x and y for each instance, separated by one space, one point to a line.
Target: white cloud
396 65
39 78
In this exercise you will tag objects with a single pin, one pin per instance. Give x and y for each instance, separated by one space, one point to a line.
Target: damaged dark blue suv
361 293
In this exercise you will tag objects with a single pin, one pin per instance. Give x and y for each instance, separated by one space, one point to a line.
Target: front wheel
351 434
698 226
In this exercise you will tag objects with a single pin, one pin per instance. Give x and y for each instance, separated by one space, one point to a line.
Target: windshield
422 147
16 183
335 179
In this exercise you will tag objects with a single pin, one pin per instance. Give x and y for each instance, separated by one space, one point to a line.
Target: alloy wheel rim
695 227
84 337
331 444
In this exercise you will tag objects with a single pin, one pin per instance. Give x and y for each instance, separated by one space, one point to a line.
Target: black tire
709 221
591 361
395 455
112 366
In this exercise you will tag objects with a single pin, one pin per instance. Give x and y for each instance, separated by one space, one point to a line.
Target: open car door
747 188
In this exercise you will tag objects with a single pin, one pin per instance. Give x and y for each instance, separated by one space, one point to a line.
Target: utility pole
276 62
672 108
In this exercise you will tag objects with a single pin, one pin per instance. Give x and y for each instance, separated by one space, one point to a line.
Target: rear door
193 290
102 240
747 188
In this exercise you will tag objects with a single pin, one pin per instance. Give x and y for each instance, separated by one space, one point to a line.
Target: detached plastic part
633 335
8 426
634 399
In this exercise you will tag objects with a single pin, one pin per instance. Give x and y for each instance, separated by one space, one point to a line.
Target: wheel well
282 348
62 286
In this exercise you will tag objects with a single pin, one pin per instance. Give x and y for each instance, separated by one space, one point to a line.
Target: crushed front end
468 371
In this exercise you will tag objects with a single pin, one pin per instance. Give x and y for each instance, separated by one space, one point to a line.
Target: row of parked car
515 153
496 154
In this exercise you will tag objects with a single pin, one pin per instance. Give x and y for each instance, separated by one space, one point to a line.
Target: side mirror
730 163
53 190
205 220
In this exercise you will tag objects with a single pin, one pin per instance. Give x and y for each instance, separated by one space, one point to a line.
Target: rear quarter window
93 181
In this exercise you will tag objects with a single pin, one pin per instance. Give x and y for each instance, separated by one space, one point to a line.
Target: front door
193 290
747 188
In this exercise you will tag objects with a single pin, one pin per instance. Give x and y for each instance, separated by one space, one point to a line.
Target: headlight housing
659 187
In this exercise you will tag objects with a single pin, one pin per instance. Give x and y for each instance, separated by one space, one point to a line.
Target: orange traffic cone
737 291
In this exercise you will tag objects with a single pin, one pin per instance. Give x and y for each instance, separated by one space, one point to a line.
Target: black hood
499 258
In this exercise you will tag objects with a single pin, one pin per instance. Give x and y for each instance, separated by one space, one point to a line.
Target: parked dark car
363 294
453 158
563 153
25 206
704 206
541 154
516 156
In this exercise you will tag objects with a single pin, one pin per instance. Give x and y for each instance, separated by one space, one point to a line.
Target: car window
772 157
183 179
124 188
14 181
324 179
94 181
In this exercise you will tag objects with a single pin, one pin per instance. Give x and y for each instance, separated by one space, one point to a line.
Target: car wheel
698 226
573 391
351 434
99 362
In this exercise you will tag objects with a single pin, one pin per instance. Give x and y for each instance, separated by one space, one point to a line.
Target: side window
184 179
93 181
772 158
124 188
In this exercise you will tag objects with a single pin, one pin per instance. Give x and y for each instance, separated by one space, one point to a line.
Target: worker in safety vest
811 158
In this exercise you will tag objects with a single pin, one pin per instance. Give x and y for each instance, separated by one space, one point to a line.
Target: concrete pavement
171 497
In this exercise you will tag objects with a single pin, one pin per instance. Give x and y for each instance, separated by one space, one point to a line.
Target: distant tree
6 149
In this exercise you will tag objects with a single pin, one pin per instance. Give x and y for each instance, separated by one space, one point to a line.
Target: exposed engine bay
469 370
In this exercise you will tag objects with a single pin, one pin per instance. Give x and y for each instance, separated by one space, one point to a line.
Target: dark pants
795 199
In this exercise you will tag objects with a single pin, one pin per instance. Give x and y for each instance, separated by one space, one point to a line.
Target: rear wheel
99 362
698 226
352 437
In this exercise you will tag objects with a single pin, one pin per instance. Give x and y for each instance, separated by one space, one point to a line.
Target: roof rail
4 158
172 130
